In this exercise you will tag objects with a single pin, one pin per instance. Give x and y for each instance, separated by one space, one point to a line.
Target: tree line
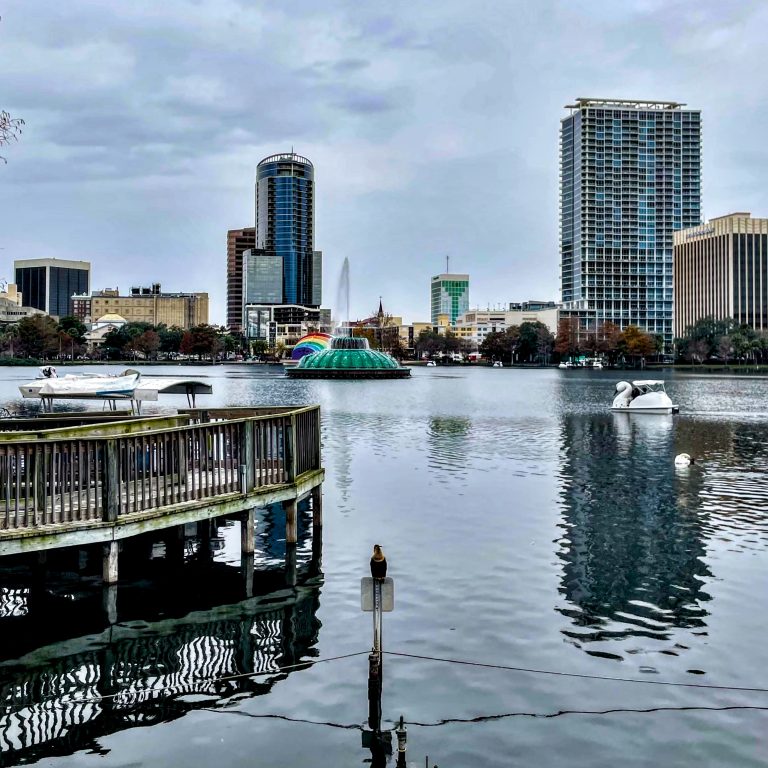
607 342
41 337
724 341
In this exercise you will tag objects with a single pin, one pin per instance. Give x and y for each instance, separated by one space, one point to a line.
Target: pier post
110 486
317 507
247 475
290 565
247 533
246 567
291 524
174 545
111 549
204 540
109 602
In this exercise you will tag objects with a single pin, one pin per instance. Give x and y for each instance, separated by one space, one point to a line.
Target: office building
238 242
151 305
262 277
449 296
630 176
48 284
80 303
285 323
721 271
285 225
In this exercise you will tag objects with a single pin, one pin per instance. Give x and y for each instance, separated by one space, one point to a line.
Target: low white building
12 308
476 324
96 334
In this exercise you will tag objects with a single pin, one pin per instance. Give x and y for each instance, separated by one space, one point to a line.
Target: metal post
374 664
402 737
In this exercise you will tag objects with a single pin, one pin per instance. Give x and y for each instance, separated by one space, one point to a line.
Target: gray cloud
433 128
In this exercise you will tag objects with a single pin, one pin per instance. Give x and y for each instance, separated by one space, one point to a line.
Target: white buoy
683 460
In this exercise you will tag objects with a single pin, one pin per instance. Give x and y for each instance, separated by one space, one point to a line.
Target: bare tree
10 129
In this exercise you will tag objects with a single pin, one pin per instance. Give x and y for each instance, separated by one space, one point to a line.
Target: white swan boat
648 396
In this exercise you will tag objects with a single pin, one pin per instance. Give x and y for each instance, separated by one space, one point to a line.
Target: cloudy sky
433 127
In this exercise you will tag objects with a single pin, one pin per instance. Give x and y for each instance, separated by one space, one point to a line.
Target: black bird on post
378 563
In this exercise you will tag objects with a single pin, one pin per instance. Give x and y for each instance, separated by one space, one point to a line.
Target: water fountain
348 357
342 295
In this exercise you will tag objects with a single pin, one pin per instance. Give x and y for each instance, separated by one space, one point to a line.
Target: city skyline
155 153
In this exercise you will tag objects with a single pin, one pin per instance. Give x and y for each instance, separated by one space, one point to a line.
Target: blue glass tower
285 217
630 176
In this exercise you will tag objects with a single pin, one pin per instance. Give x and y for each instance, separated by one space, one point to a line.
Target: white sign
387 593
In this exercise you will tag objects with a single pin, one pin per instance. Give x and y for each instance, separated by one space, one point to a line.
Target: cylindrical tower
285 221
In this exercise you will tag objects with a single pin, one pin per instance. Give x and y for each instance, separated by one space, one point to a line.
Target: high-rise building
238 241
449 296
630 176
48 284
721 271
285 224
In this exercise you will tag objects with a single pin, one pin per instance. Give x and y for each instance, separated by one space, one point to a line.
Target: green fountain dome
349 358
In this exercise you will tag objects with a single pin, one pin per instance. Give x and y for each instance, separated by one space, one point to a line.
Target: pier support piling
109 602
317 507
290 565
174 546
246 567
247 532
109 569
291 524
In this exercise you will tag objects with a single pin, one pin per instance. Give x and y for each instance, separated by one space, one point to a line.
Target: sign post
376 596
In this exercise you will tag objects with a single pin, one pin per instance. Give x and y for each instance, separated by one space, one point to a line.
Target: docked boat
431 364
648 396
81 385
129 385
498 364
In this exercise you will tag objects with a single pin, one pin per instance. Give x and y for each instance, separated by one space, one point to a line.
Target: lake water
525 525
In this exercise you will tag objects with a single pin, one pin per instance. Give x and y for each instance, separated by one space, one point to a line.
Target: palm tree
9 335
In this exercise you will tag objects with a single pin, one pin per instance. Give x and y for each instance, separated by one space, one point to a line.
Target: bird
683 460
378 563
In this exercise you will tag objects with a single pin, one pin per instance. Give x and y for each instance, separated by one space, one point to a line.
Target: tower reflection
633 541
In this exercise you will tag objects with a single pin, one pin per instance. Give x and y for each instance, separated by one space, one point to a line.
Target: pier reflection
186 639
633 541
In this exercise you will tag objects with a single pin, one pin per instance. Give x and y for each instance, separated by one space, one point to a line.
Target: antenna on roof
447 263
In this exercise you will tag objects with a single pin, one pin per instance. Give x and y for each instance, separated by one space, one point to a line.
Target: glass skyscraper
285 218
630 176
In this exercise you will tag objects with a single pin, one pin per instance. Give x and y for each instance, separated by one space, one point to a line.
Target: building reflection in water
69 678
633 540
447 445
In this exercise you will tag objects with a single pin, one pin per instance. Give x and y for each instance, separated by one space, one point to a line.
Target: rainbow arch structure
312 342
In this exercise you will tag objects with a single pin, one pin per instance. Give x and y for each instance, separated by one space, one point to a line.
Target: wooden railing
51 480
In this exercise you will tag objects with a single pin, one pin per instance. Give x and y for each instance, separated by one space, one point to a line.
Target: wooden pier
80 479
